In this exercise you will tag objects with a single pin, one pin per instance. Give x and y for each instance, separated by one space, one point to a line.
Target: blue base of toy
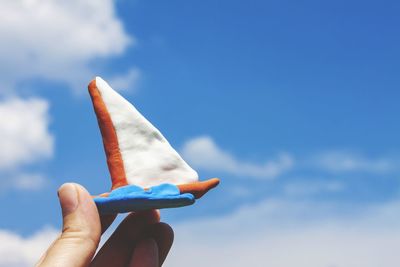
134 198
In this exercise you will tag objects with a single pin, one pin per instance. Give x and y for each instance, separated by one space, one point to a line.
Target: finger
117 251
163 234
81 229
145 254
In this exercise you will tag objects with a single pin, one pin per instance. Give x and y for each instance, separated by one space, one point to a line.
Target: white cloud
24 251
24 132
272 233
126 82
18 251
24 139
286 234
203 153
339 161
57 40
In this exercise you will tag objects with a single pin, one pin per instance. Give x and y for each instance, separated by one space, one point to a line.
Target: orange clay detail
110 140
198 189
102 195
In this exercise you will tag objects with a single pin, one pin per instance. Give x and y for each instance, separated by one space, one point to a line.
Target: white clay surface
148 157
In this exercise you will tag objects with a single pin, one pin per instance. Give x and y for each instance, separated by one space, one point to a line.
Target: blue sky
293 104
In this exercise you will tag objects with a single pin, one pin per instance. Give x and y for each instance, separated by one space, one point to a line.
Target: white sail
148 158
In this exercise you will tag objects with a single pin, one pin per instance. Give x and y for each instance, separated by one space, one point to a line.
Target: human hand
139 241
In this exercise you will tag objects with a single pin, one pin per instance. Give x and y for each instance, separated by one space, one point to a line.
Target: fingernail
68 196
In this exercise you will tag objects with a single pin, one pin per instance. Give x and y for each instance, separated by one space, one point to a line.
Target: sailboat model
146 172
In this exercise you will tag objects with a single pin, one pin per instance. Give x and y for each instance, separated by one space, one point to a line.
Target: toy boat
146 172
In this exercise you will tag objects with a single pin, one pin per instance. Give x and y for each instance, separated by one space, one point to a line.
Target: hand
139 241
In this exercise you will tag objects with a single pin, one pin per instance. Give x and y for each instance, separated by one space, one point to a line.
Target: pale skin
139 241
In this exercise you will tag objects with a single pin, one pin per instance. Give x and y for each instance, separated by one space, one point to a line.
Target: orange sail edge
109 136
197 189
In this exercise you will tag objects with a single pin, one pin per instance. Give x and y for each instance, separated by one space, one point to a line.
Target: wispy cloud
265 234
57 40
311 187
28 181
203 153
128 81
341 161
22 182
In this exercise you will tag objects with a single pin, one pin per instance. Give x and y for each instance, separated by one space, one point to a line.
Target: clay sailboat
146 172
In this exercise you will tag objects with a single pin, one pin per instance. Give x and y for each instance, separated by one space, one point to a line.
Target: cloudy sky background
293 104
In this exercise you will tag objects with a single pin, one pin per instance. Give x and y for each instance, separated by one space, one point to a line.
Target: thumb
81 230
